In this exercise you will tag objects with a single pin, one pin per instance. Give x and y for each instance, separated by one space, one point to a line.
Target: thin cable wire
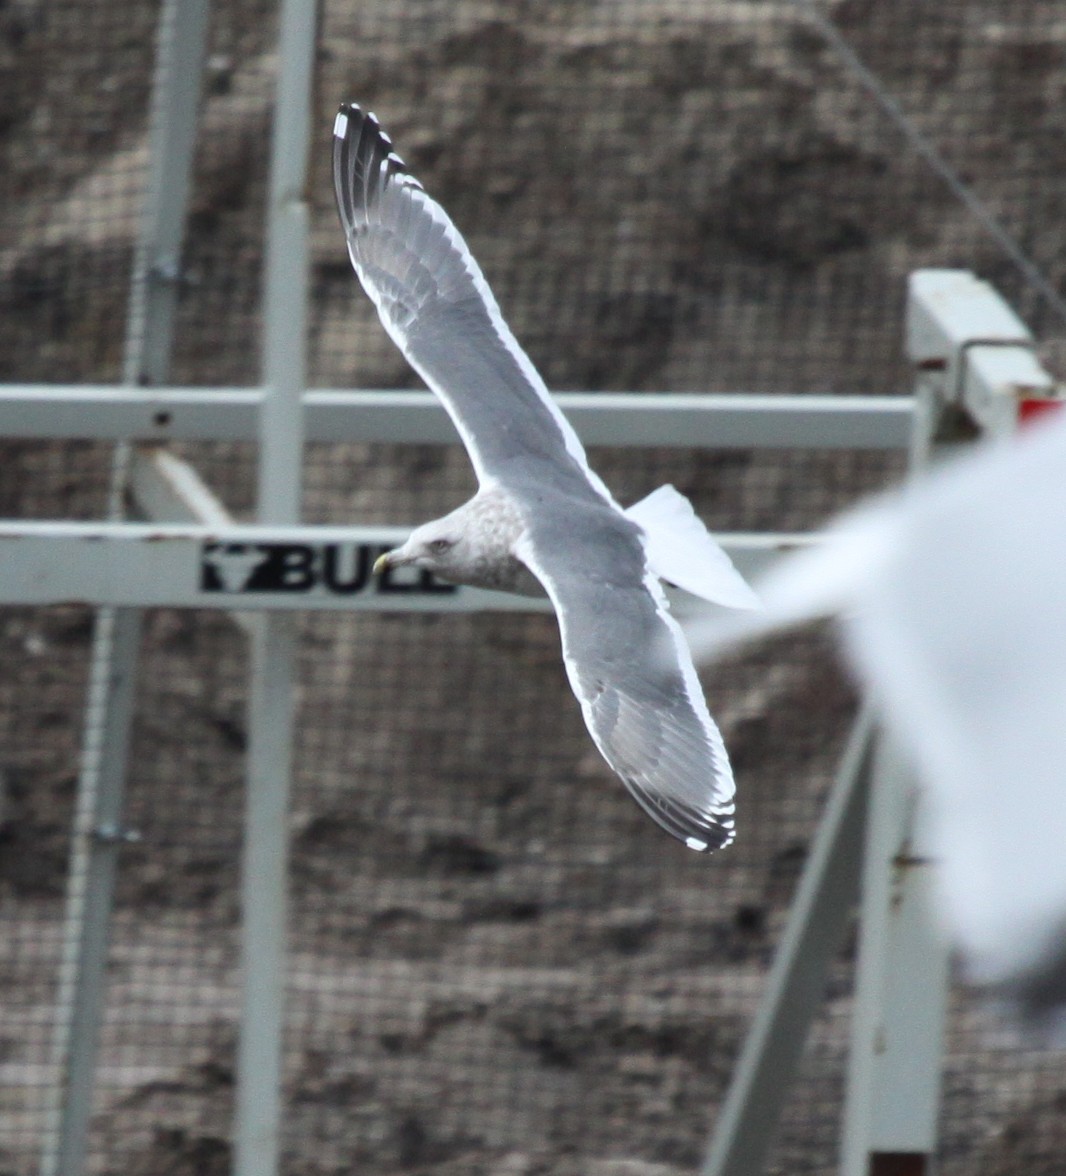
924 148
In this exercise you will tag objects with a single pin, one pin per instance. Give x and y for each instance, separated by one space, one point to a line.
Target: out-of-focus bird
951 599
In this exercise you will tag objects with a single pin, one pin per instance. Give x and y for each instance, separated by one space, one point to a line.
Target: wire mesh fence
497 963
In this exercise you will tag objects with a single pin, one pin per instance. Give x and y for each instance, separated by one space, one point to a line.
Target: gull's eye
439 546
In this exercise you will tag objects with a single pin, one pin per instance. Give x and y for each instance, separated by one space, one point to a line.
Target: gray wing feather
438 308
633 675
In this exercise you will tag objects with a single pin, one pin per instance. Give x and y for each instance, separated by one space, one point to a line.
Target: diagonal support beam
795 988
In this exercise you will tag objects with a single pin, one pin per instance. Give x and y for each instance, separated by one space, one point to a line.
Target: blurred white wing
952 596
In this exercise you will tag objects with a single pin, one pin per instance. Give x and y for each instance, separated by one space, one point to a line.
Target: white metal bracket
973 349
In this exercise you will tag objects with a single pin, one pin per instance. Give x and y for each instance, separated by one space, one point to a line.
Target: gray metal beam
176 99
796 985
715 421
116 637
264 863
901 989
97 839
166 489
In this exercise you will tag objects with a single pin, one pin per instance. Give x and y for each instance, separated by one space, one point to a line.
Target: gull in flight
542 521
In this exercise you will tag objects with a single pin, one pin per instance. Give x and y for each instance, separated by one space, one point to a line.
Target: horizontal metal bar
113 412
253 567
718 421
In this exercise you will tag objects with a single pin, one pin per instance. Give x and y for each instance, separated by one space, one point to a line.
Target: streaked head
436 547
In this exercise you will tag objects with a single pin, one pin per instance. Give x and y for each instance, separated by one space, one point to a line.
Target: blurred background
498 964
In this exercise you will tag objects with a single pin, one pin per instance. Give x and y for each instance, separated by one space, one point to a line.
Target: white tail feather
682 551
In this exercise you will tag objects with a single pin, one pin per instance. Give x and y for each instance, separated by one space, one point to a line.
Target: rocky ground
498 964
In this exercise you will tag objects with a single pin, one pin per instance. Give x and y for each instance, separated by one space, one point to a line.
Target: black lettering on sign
408 579
230 567
291 568
339 569
346 569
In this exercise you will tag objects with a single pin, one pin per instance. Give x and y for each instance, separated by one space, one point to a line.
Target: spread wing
631 670
437 307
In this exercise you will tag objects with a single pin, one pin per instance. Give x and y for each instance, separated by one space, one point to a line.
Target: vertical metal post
816 924
97 838
902 977
893 1090
265 861
97 833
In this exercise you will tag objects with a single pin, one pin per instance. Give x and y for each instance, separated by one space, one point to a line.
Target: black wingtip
364 163
702 831
360 129
350 123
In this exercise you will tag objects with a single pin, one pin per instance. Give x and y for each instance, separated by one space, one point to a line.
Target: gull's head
436 547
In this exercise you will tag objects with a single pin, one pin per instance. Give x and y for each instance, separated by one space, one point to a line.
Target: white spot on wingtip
340 125
695 843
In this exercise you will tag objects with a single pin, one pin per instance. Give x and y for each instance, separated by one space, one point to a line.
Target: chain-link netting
498 964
